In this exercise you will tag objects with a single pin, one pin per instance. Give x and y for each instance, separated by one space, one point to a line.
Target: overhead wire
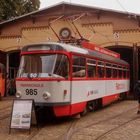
94 31
121 6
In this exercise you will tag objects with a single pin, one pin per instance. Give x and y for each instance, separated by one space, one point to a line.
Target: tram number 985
31 91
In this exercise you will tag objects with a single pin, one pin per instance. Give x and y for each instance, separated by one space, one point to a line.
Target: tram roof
53 46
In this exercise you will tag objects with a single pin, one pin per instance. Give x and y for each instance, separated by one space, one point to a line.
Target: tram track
72 129
4 108
74 126
109 118
35 132
4 117
115 128
5 114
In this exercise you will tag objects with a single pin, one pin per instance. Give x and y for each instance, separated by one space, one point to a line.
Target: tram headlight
18 94
46 95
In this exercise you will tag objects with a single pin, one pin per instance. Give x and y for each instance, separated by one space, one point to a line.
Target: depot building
115 30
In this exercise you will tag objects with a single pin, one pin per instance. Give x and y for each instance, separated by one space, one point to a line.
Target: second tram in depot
69 79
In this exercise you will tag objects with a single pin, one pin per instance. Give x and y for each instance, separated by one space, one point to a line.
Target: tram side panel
114 88
86 90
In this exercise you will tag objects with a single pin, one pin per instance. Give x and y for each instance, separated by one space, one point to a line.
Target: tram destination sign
100 49
21 114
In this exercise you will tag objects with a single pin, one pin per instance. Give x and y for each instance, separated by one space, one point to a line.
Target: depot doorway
126 53
13 60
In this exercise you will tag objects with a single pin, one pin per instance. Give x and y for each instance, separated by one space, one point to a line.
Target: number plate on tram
31 91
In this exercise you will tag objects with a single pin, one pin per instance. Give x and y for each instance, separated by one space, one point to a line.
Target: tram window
120 72
124 74
100 69
44 65
128 73
114 71
91 68
78 66
108 70
62 66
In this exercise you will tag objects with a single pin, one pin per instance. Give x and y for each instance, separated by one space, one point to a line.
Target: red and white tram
70 79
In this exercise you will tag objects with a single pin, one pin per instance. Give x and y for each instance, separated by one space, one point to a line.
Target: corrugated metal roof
68 4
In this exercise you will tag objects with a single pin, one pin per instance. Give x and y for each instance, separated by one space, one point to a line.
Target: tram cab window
114 71
100 69
108 70
91 68
44 65
78 66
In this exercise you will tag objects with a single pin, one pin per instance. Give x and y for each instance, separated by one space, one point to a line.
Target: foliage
13 8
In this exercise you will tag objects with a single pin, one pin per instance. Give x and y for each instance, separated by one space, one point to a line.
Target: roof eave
72 4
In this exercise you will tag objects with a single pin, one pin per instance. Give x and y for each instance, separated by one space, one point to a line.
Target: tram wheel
84 112
123 96
91 106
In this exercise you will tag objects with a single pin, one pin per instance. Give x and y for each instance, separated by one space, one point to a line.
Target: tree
13 8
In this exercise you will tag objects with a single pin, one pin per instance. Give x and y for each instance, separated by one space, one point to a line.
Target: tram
2 80
71 79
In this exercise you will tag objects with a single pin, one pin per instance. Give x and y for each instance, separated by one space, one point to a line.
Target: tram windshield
44 65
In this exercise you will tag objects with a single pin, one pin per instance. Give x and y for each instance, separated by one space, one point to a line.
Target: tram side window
124 73
78 66
91 68
120 72
108 70
100 69
114 71
128 73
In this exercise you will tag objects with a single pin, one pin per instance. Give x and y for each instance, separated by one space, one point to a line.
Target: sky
132 6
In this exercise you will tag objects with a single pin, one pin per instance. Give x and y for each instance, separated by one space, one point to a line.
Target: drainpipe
135 67
7 74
